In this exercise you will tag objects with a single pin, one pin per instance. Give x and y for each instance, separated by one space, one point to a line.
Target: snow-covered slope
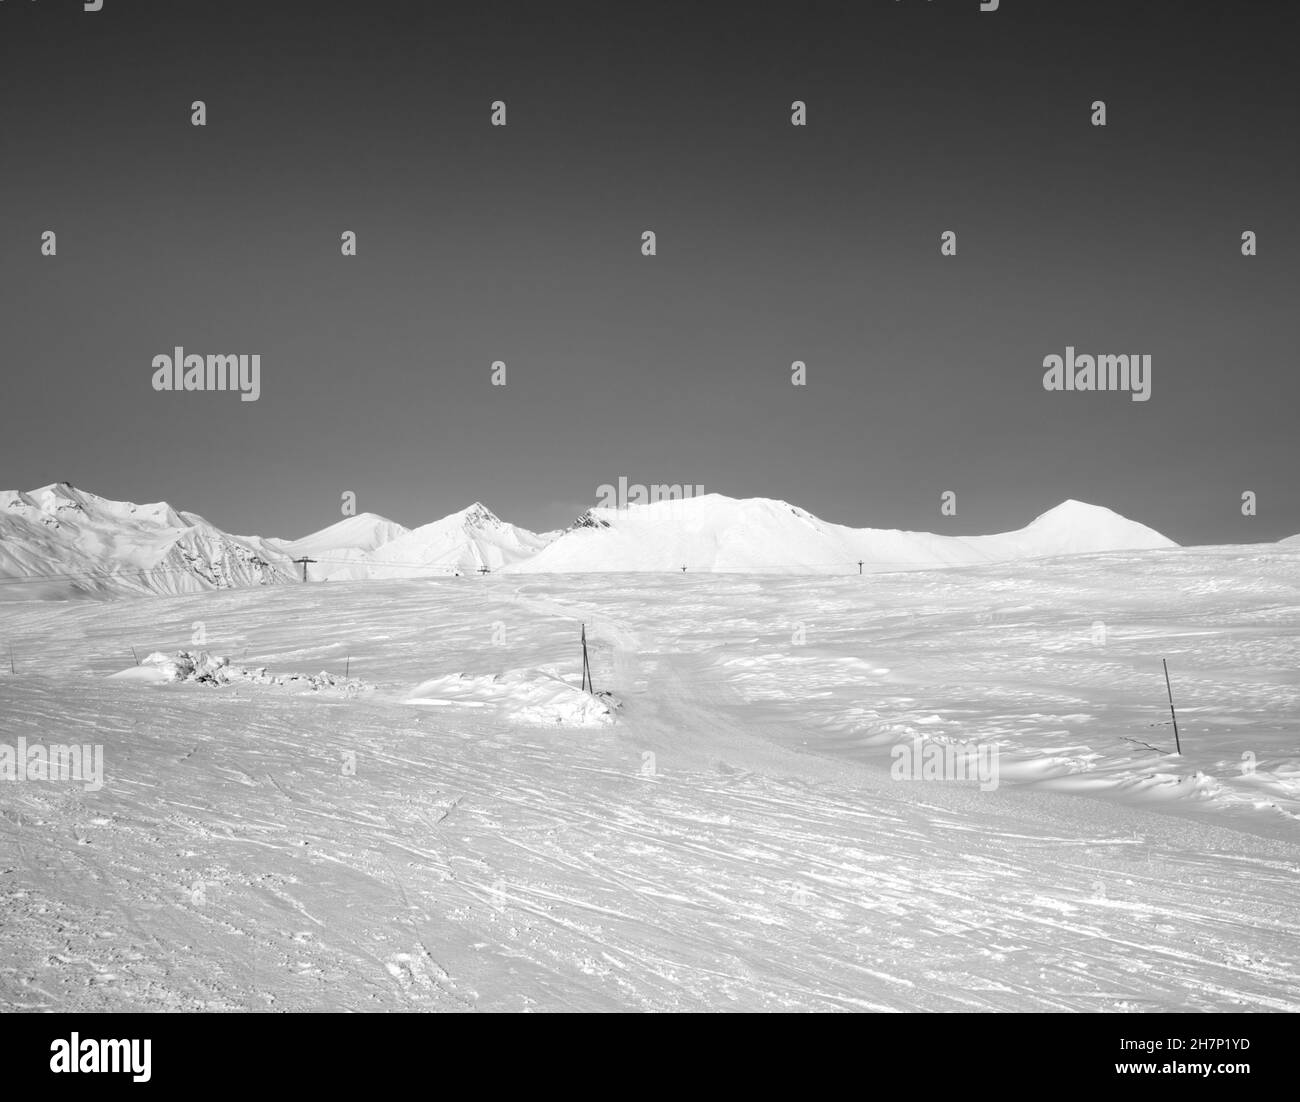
61 541
737 838
760 535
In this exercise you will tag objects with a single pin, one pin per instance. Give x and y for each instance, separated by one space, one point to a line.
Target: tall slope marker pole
1170 691
586 666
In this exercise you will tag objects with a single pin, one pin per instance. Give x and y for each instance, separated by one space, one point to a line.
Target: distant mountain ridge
761 535
465 542
66 541
63 541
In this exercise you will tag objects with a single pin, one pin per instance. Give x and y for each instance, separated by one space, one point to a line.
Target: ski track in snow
734 841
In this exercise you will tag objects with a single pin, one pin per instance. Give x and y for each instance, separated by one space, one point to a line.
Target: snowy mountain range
762 536
62 541
65 541
369 546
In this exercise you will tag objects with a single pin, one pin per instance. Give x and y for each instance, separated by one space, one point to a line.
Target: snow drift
529 697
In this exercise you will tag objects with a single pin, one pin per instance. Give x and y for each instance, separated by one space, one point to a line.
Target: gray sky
775 243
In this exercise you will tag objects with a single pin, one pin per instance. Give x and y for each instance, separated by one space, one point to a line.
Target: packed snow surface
733 837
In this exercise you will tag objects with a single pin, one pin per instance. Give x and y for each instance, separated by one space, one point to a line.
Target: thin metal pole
1172 716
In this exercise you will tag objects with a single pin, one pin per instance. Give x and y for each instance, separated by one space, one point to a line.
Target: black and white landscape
758 507
807 788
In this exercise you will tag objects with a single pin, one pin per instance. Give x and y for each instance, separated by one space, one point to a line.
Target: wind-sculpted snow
533 697
736 837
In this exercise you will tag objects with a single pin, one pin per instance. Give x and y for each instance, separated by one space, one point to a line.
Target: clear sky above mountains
775 244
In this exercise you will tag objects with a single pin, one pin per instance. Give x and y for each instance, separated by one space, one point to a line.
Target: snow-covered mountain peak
363 532
590 519
1078 526
695 509
478 515
65 541
1074 511
62 499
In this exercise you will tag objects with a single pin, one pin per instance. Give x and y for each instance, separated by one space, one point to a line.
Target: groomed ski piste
385 795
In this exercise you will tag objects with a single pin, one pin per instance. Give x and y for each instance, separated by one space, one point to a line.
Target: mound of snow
532 697
761 535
